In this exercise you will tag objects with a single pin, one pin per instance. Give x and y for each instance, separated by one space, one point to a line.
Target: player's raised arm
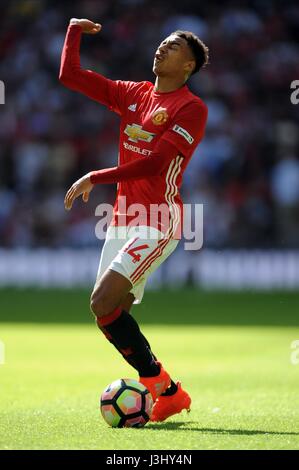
87 26
73 76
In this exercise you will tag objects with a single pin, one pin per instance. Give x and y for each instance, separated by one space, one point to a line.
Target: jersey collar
180 90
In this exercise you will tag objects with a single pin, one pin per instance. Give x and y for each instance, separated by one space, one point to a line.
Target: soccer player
161 125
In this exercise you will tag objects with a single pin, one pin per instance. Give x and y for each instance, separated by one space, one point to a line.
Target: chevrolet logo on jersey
135 133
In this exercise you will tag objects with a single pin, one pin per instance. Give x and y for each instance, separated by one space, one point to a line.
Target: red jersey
150 121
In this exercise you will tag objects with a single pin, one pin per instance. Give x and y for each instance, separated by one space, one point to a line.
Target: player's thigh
127 302
135 257
115 239
111 288
109 292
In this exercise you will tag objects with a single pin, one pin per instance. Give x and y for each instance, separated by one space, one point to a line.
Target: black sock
128 339
148 345
171 390
110 339
127 358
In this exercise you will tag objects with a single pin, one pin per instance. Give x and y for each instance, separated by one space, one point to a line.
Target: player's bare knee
99 305
96 305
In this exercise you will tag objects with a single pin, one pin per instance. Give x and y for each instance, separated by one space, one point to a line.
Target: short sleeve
188 127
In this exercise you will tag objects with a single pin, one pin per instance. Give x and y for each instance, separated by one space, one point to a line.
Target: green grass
232 355
184 306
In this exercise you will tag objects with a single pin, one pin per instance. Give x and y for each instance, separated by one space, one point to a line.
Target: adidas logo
132 107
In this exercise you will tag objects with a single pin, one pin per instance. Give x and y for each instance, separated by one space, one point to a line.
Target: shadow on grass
188 306
186 426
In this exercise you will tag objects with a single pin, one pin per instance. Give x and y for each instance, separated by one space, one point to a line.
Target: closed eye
170 44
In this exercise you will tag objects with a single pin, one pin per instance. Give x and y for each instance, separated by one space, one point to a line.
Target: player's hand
88 27
82 186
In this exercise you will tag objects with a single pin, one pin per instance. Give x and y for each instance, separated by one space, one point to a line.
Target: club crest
159 117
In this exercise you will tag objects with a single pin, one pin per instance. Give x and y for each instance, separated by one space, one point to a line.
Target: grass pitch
231 352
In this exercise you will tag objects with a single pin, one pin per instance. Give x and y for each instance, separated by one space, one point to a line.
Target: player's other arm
144 167
181 138
92 84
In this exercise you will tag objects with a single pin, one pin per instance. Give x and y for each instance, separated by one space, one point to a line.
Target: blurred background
245 172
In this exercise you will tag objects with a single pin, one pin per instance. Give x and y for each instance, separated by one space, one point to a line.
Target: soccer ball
126 403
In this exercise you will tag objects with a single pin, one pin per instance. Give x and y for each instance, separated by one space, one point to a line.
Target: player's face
173 58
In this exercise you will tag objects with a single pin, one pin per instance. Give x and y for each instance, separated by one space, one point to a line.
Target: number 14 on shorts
135 251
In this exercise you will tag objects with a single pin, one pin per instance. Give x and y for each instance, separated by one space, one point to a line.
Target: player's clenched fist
88 27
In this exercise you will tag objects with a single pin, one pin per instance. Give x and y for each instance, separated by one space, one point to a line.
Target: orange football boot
158 384
166 406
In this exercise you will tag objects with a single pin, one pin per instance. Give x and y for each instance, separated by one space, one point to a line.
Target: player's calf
120 328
